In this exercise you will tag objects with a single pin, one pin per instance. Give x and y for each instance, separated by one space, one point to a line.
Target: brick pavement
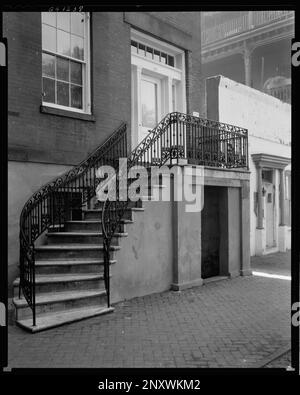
232 323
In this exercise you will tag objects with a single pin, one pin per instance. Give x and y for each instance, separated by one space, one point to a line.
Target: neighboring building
268 121
73 80
250 47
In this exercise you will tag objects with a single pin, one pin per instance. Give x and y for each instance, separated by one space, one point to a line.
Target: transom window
65 43
152 53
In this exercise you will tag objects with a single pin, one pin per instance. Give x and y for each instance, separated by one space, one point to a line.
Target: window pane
63 21
149 53
142 49
163 58
62 93
149 103
76 73
77 47
49 38
63 43
76 96
49 18
171 61
156 56
62 71
134 45
48 65
48 90
77 23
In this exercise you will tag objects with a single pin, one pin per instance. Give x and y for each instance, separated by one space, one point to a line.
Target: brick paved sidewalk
278 263
232 323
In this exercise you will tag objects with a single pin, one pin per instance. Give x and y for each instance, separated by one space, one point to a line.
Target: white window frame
86 74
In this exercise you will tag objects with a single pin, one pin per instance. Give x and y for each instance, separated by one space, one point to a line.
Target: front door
151 107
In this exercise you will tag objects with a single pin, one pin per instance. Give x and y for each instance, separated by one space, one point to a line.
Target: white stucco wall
268 121
24 179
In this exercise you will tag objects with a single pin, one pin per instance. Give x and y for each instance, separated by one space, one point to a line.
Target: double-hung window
66 64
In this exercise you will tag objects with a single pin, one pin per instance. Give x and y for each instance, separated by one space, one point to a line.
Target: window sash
85 62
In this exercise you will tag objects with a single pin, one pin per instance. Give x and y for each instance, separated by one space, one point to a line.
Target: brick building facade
74 78
44 141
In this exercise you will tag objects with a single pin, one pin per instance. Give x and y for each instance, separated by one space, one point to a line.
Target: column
139 106
186 232
169 95
247 64
282 230
282 198
260 233
250 20
245 229
259 199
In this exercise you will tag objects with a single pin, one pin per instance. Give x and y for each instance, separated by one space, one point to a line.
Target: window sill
66 113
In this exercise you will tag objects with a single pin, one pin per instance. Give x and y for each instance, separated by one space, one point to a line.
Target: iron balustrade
177 137
242 23
60 200
282 93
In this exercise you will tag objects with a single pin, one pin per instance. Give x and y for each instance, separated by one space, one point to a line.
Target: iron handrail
56 201
172 140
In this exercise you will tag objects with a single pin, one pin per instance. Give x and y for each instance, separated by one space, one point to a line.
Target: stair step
128 208
58 302
72 246
96 213
57 297
51 320
70 266
62 278
83 234
92 225
63 262
70 250
81 237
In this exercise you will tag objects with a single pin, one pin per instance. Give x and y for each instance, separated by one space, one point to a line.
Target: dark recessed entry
210 235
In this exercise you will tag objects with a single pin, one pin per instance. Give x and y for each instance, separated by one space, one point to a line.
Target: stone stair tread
76 233
99 210
91 221
66 262
63 277
77 246
50 297
51 320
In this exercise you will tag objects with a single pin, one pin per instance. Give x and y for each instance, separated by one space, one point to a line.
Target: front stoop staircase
64 263
69 273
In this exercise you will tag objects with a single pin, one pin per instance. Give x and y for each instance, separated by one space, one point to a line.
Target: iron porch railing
178 136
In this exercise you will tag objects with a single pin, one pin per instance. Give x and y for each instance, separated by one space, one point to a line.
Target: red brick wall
39 137
47 138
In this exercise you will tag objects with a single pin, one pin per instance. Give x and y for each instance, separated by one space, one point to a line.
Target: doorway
210 233
157 83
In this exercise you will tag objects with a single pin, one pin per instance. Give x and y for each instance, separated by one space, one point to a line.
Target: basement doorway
213 237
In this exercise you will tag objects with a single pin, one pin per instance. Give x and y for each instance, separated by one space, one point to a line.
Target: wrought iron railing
282 93
212 143
60 200
177 137
242 23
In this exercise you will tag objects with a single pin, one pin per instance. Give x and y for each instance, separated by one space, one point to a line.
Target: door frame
142 66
